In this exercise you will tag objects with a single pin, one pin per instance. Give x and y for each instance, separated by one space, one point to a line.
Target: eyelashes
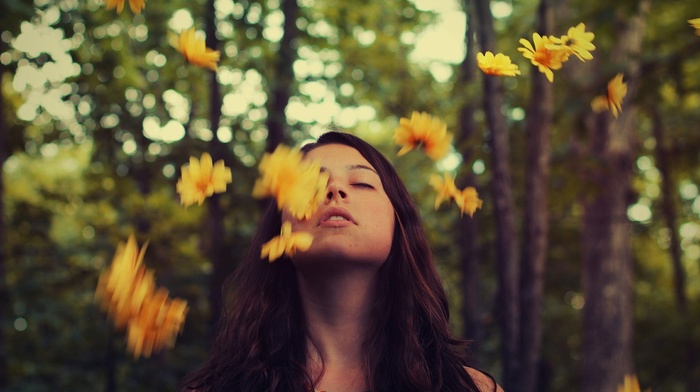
363 185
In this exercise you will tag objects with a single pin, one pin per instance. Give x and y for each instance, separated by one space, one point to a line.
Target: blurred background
581 268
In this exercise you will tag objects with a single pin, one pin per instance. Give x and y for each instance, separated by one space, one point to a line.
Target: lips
335 216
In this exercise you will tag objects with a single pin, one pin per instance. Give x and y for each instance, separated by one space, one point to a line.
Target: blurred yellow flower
498 65
121 288
617 90
127 291
696 24
468 200
631 384
426 131
545 59
286 243
157 324
295 183
201 179
445 188
195 51
578 42
135 5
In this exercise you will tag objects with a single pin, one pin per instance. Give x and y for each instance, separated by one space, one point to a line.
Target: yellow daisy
156 326
617 90
296 184
135 5
468 200
201 179
498 65
545 59
195 51
578 42
128 293
286 243
445 187
696 24
426 131
630 384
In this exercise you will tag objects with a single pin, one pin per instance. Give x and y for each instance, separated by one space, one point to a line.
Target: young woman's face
356 220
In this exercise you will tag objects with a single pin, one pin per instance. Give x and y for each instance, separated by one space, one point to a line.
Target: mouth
335 217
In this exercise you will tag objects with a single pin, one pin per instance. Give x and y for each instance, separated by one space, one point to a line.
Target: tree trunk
214 223
111 359
467 227
668 209
608 313
506 242
282 81
538 130
607 275
4 294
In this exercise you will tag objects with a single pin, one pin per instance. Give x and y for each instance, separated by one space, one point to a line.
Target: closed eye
363 185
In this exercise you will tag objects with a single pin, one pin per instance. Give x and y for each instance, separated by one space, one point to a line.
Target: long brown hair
261 343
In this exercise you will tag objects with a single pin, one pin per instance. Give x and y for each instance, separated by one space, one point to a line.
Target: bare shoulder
484 382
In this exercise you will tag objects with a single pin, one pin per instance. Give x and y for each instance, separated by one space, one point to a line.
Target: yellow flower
617 89
545 59
121 288
201 179
499 65
631 384
286 243
578 42
127 291
296 184
696 24
195 51
157 324
446 188
468 200
423 130
135 5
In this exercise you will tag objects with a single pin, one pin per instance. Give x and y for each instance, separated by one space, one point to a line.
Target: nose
335 190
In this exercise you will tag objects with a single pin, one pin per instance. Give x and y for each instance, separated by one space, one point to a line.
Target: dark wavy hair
261 343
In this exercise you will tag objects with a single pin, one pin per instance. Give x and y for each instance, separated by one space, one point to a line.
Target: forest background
581 268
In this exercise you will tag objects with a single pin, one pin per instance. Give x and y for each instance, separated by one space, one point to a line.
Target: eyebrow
356 166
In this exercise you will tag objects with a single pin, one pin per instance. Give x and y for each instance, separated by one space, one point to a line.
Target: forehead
337 155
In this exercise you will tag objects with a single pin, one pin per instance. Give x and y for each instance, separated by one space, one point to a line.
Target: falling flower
468 200
286 243
156 325
115 287
696 24
617 89
296 184
631 384
195 51
577 41
128 293
423 130
135 5
498 65
446 188
545 59
201 179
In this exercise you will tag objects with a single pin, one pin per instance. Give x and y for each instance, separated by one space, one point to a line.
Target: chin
338 256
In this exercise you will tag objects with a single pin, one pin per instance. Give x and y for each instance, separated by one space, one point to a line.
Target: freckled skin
355 188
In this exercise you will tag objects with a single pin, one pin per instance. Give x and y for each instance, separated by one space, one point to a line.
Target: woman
362 310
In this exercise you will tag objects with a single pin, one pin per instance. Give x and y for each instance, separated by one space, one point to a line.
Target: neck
337 308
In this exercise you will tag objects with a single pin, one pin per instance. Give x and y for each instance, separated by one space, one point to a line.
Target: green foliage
77 185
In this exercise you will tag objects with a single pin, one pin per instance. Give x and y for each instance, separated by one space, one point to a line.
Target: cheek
384 221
